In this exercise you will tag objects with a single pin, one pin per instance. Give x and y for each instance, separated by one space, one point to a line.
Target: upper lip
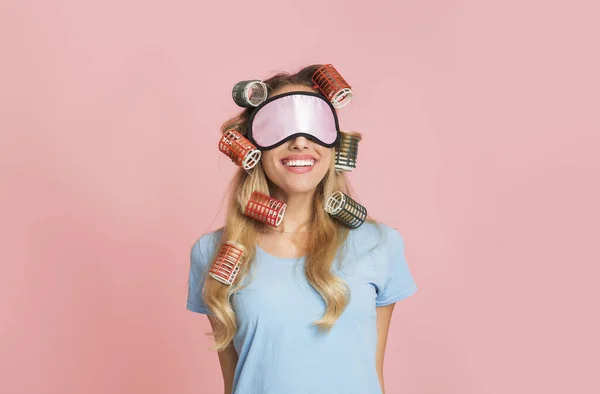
299 157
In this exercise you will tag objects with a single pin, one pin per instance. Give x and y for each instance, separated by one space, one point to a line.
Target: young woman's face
298 165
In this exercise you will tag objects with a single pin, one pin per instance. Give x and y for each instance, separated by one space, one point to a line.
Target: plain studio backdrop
481 123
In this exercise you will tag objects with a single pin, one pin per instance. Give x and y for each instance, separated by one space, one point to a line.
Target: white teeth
299 163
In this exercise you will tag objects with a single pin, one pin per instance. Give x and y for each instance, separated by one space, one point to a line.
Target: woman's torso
279 348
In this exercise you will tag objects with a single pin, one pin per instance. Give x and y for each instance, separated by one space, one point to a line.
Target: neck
298 213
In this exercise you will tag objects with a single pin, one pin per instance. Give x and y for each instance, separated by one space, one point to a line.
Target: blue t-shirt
279 349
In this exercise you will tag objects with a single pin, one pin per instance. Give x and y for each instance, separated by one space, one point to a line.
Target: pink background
482 139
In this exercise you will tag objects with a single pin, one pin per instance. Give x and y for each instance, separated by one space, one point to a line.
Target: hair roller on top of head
333 86
227 263
241 151
265 209
346 210
346 152
250 93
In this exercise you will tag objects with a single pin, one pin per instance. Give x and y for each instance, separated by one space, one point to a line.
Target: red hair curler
346 210
347 151
241 151
265 209
333 86
248 94
227 263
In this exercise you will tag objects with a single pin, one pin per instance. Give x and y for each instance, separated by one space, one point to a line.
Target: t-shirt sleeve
397 281
198 272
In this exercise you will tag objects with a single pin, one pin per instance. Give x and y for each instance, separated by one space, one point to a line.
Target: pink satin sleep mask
290 115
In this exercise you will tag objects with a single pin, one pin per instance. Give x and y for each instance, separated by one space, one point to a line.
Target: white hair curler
346 152
248 94
346 210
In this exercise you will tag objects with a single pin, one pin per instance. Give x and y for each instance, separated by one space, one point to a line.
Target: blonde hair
323 242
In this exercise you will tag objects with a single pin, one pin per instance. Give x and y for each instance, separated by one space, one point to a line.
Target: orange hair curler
228 262
248 94
346 210
333 86
265 209
241 151
346 152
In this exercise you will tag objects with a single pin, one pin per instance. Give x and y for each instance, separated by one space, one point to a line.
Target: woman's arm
228 359
384 316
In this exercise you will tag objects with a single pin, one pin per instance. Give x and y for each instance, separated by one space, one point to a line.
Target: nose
299 143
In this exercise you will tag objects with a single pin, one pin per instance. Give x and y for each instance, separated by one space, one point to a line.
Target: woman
310 308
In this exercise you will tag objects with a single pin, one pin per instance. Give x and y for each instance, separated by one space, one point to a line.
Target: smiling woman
299 295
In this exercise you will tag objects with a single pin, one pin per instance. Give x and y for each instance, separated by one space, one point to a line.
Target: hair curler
241 151
265 209
347 151
333 86
227 263
248 94
346 210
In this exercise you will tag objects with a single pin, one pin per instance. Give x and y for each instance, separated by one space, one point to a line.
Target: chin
302 190
299 189
295 184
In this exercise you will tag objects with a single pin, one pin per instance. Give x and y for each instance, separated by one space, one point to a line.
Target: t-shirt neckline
270 256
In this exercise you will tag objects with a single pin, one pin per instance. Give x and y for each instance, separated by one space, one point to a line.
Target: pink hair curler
265 209
241 151
333 86
228 262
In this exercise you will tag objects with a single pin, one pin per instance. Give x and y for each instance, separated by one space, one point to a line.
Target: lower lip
299 170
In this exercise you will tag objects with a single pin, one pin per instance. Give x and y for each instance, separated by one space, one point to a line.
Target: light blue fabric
279 349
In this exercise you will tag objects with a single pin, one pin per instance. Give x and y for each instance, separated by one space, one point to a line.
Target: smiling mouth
298 163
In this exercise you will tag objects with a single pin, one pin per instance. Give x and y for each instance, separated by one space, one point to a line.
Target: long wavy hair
324 240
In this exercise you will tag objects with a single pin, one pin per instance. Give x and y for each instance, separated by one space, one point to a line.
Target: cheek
268 163
326 157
